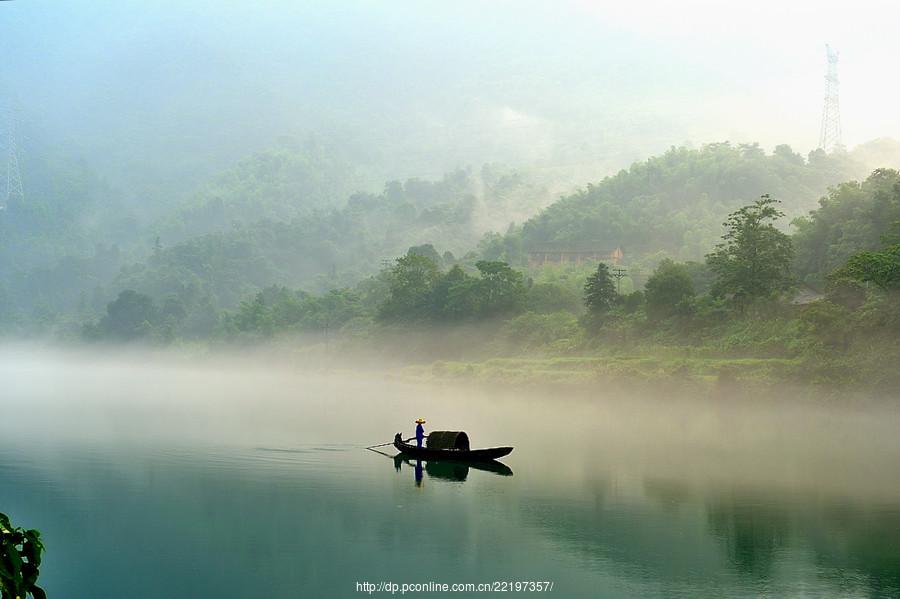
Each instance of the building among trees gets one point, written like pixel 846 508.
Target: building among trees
pixel 565 254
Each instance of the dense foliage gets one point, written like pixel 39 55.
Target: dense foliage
pixel 20 561
pixel 669 291
pixel 754 258
pixel 283 217
pixel 675 203
pixel 280 310
pixel 599 291
pixel 853 217
pixel 276 219
pixel 278 185
pixel 269 251
pixel 419 292
pixel 881 268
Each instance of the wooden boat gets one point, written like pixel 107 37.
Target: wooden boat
pixel 458 453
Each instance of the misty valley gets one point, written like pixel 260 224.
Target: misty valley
pixel 304 299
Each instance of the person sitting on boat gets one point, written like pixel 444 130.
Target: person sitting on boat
pixel 420 431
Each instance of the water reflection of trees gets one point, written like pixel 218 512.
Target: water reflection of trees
pixel 853 544
pixel 705 538
pixel 862 541
pixel 751 531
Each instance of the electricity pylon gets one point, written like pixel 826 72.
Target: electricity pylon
pixel 830 135
pixel 618 274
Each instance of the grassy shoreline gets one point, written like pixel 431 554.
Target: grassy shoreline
pixel 701 374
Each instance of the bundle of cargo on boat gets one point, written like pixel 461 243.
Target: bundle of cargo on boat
pixel 448 440
pixel 449 445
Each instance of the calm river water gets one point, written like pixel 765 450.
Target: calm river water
pixel 229 481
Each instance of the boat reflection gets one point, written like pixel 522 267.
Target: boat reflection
pixel 449 469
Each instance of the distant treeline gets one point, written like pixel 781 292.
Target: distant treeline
pixel 739 299
pixel 249 241
pixel 281 217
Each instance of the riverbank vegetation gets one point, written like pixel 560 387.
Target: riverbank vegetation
pixel 741 314
pixel 772 294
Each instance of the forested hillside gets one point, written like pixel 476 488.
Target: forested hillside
pixel 281 184
pixel 736 315
pixel 279 220
pixel 853 217
pixel 68 211
pixel 675 203
pixel 283 217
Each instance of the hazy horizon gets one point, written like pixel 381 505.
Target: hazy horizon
pixel 165 96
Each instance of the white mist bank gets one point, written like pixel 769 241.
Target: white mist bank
pixel 121 400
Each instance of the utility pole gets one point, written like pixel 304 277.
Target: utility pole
pixel 12 178
pixel 830 134
pixel 618 274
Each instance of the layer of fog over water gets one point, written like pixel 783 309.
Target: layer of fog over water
pixel 226 479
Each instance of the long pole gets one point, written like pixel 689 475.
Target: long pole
pixel 391 442
pixel 382 445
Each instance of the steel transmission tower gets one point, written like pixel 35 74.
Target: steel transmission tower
pixel 618 274
pixel 830 136
pixel 12 181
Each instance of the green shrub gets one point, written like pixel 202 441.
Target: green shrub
pixel 535 331
pixel 20 561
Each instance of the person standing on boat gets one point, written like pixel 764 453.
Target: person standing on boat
pixel 420 431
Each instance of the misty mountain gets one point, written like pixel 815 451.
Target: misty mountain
pixel 286 217
pixel 675 203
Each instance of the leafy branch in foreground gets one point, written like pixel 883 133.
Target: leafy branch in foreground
pixel 20 560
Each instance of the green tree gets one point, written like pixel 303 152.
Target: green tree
pixel 854 217
pixel 418 291
pixel 427 250
pixel 881 267
pixel 754 257
pixel 331 310
pixel 130 316
pixel 202 319
pixel 702 278
pixel 827 322
pixel 600 291
pixel 454 296
pixel 669 290
pixel 255 316
pixel 675 202
pixel 411 280
pixel 173 309
pixel 20 561
pixel 547 298
pixel 501 289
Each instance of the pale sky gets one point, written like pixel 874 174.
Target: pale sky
pixel 772 53
pixel 423 86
